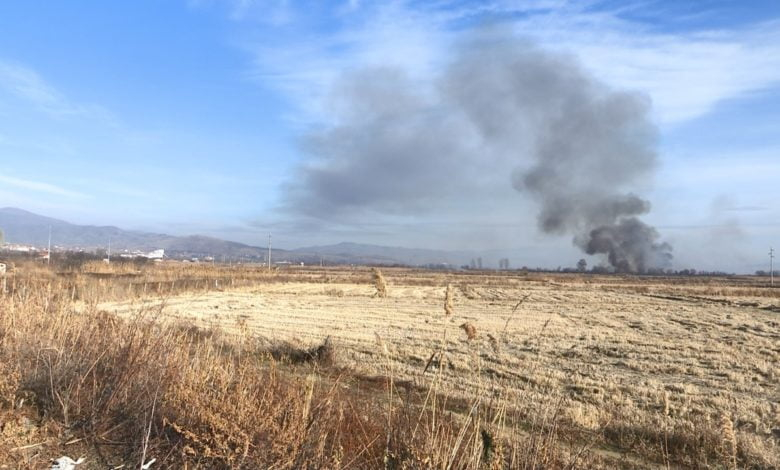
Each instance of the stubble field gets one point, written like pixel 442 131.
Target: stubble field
pixel 636 361
pixel 201 366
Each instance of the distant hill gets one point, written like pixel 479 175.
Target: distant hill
pixel 23 227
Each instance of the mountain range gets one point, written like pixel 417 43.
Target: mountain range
pixel 23 227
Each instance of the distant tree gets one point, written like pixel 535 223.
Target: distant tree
pixel 582 265
pixel 479 262
pixel 473 264
pixel 687 272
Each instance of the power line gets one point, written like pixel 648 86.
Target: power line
pixel 771 266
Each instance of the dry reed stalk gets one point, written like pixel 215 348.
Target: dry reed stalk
pixel 728 441
pixel 494 344
pixel 512 314
pixel 666 402
pixel 379 283
pixel 310 380
pixel 449 307
pixel 381 343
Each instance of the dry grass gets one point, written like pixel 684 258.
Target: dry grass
pixel 284 370
pixel 449 305
pixel 729 442
pixel 123 390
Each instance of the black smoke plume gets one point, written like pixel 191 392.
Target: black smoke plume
pixel 504 108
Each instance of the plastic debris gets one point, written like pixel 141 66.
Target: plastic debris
pixel 66 463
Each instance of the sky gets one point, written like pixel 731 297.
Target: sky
pixel 337 121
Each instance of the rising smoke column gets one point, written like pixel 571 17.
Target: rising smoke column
pixel 576 146
pixel 580 145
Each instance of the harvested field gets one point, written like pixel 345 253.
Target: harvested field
pixel 628 358
pixel 510 370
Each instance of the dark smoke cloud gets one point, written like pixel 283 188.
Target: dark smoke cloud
pixel 504 108
pixel 630 245
pixel 393 150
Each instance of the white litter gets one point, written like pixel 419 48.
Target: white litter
pixel 148 464
pixel 66 463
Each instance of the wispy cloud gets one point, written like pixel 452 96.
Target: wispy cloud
pixel 40 186
pixel 28 85
pixel 686 72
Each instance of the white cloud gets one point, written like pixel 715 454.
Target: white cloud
pixel 685 73
pixel 39 186
pixel 304 64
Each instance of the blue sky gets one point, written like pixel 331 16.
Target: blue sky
pixel 191 116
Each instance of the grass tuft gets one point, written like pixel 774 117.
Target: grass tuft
pixel 379 283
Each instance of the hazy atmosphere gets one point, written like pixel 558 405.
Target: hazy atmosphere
pixel 634 134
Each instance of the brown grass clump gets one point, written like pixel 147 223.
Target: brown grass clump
pixel 333 292
pixel 322 355
pixel 470 329
pixel 449 307
pixel 379 283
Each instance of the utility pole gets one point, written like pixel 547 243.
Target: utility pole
pixel 269 251
pixel 771 266
pixel 48 249
pixel 108 253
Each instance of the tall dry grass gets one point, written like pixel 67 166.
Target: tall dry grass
pixel 122 391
